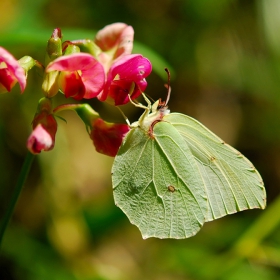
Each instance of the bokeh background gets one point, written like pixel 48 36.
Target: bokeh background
pixel 224 57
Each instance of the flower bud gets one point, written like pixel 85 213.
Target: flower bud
pixel 54 50
pixel 70 48
pixel 40 140
pixel 50 84
pixel 87 46
pixel 54 47
pixel 107 137
pixel 44 125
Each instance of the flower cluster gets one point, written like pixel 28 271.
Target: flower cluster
pixel 107 70
pixel 103 68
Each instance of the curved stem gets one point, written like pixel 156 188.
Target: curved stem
pixel 21 180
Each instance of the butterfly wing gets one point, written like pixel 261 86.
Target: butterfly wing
pixel 232 182
pixel 158 185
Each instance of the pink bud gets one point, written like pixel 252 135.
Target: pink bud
pixel 39 140
pixel 10 72
pixel 107 137
pixel 44 125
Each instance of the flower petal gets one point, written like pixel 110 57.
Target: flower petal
pixel 94 80
pixel 119 91
pixel 115 40
pixel 116 34
pixel 92 72
pixel 16 71
pixel 134 65
pixel 7 80
pixel 72 62
pixel 72 85
pixel 126 76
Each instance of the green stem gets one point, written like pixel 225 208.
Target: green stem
pixel 21 180
pixel 247 244
pixel 259 230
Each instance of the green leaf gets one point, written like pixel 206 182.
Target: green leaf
pixel 172 174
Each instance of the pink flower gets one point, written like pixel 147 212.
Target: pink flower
pixel 10 72
pixel 82 76
pixel 42 137
pixel 114 41
pixel 126 77
pixel 107 137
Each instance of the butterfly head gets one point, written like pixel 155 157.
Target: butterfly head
pixel 154 113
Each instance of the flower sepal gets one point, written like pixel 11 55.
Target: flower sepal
pixel 54 47
pixel 107 137
pixel 27 63
pixel 84 111
pixel 87 46
pixel 50 84
pixel 69 48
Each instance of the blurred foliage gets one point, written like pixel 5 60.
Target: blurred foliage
pixel 226 55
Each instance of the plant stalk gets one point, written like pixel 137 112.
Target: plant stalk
pixel 20 183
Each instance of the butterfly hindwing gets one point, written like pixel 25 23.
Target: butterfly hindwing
pixel 231 181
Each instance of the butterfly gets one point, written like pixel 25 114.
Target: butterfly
pixel 172 174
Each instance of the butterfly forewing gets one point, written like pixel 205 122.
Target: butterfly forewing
pixel 231 181
pixel 158 184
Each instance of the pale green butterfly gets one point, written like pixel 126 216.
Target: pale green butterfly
pixel 172 174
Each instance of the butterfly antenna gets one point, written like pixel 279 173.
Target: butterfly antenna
pixel 167 86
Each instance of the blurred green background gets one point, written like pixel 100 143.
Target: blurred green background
pixel 224 57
